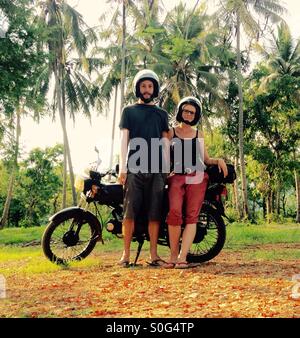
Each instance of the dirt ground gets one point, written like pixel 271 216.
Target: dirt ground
pixel 228 286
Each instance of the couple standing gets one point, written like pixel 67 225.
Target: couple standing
pixel 144 176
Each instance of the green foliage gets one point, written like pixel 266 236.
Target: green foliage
pixel 20 59
pixel 39 184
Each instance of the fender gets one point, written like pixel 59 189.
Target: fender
pixel 214 205
pixel 85 214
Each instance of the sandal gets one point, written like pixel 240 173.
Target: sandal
pixel 183 265
pixel 170 265
pixel 157 263
pixel 123 264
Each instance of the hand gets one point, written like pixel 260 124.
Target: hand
pixel 171 174
pixel 222 167
pixel 122 178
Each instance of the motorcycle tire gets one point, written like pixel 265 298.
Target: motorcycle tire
pixel 67 252
pixel 212 225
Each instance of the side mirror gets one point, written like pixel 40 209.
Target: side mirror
pixel 117 169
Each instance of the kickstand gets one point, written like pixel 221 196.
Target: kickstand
pixel 139 249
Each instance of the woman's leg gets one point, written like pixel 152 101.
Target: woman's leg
pixel 194 199
pixel 187 241
pixel 174 218
pixel 174 237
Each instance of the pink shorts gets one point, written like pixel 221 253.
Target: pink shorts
pixel 180 192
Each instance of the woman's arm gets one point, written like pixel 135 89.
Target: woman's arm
pixel 213 161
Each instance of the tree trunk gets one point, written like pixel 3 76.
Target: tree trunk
pixel 65 164
pixel 269 206
pixel 113 129
pixel 297 185
pixel 253 207
pixel 65 135
pixel 189 20
pixel 277 201
pixel 283 204
pixel 236 188
pixel 264 207
pixel 64 196
pixel 5 213
pixel 123 70
pixel 241 124
pixel 272 201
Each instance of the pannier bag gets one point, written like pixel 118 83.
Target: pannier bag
pixel 218 177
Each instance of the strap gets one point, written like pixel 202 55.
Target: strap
pixel 197 134
pixel 174 132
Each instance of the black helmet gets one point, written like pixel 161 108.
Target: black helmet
pixel 145 74
pixel 194 102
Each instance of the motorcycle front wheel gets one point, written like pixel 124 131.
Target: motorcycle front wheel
pixel 210 236
pixel 69 237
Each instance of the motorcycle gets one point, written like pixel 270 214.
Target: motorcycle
pixel 72 233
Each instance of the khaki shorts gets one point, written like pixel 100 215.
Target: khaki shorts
pixel 144 192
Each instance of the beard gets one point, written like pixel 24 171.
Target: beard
pixel 146 100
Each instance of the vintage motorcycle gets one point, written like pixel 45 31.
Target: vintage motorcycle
pixel 73 232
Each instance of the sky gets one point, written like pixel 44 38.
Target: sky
pixel 85 135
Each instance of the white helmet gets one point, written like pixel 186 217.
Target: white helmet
pixel 194 102
pixel 145 74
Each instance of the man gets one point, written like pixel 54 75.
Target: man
pixel 141 124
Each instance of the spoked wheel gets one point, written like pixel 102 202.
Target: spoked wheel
pixel 70 237
pixel 210 237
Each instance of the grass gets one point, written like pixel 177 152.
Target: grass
pixel 15 259
pixel 272 254
pixel 30 260
pixel 21 235
pixel 239 235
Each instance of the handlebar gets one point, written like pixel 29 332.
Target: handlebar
pixel 96 175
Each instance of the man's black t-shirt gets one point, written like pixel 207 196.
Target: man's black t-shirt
pixel 144 122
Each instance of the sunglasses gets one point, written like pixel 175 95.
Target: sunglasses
pixel 188 112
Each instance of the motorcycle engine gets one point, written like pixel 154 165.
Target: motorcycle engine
pixel 114 226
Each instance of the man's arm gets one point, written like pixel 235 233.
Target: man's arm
pixel 166 150
pixel 123 155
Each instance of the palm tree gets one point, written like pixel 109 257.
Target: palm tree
pixel 15 143
pixel 21 64
pixel 188 60
pixel 114 56
pixel 283 60
pixel 239 14
pixel 68 35
pixel 177 48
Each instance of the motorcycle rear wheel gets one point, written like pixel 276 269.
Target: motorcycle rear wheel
pixel 211 227
pixel 62 245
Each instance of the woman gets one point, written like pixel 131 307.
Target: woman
pixel 187 182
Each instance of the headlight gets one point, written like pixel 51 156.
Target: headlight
pixel 79 183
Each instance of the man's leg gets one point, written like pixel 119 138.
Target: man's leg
pixel 154 197
pixel 132 203
pixel 127 230
pixel 153 229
